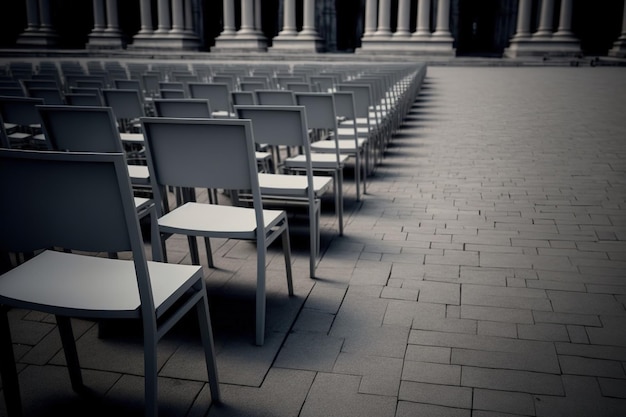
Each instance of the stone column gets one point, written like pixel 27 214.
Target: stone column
pixel 38 31
pixel 308 26
pixel 178 17
pixel 112 17
pixel 247 17
pixel 190 26
pixel 229 18
pixel 258 22
pixel 619 47
pixel 443 21
pixel 371 7
pixel 289 19
pixel 164 18
pixel 423 19
pixel 384 19
pixel 404 14
pixel 545 20
pixel 523 19
pixel 98 16
pixel 565 20
pixel 145 7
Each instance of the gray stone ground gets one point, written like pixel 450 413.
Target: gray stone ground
pixel 483 275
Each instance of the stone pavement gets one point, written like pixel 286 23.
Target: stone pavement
pixel 484 274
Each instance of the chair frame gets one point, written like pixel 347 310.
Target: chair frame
pixel 155 293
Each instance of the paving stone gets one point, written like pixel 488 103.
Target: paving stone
pixel 309 351
pixel 381 375
pixel 409 409
pixel 444 395
pixel 503 402
pixel 512 380
pixel 433 373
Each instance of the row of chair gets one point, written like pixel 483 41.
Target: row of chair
pixel 85 174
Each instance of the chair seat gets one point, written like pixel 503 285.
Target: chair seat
pixel 318 161
pixel 139 174
pixel 292 185
pixel 69 274
pixel 214 220
pixel 345 145
pixel 132 137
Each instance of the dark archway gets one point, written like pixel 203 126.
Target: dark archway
pixel 485 27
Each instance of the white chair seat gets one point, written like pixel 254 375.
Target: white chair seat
pixel 136 138
pixel 318 161
pixel 344 145
pixel 292 185
pixel 68 274
pixel 139 174
pixel 220 221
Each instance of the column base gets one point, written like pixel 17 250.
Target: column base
pixel 619 49
pixel 177 41
pixel 38 38
pixel 410 46
pixel 297 44
pixel 106 40
pixel 240 43
pixel 538 47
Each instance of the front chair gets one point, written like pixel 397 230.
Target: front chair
pixel 214 153
pixel 89 209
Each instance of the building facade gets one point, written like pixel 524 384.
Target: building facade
pixel 509 28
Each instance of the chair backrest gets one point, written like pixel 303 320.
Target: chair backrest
pixel 89 202
pixel 344 104
pixel 252 85
pixel 83 99
pixel 185 107
pixel 243 97
pixel 126 104
pixel 275 97
pixel 126 84
pixel 89 207
pixel 207 153
pixel 20 110
pixel 362 97
pixel 320 110
pixel 50 95
pixel 298 87
pixel 80 128
pixel 171 93
pixel 218 94
pixel 12 91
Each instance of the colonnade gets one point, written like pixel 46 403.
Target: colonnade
pixel 179 27
pixel 544 41
pixel 378 36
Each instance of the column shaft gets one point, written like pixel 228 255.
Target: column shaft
pixel 178 17
pixel 247 17
pixel 45 16
pixel 384 18
pixel 98 16
pixel 289 18
pixel 112 16
pixel 443 19
pixel 32 14
pixel 404 14
pixel 565 19
pixel 229 17
pixel 145 7
pixel 164 18
pixel 523 19
pixel 423 19
pixel 371 7
pixel 308 26
pixel 545 19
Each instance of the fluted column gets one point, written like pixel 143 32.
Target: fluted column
pixel 545 19
pixel 178 17
pixel 523 19
pixel 443 20
pixel 289 19
pixel 371 7
pixel 404 14
pixel 384 19
pixel 565 20
pixel 190 25
pixel 619 47
pixel 258 24
pixel 423 19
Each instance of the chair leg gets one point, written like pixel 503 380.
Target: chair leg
pixel 8 370
pixel 260 293
pixel 71 355
pixel 339 201
pixel 151 372
pixel 193 250
pixel 206 334
pixel 287 253
pixel 209 252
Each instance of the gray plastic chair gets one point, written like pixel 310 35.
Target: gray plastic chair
pixel 214 153
pixel 88 220
pixel 286 126
pixel 218 95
